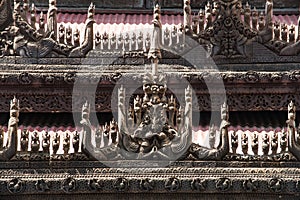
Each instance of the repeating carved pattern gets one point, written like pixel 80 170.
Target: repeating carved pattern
pixel 209 180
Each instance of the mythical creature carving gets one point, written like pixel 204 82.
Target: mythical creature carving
pixel 28 42
pixel 23 39
pixel 88 42
pixel 223 148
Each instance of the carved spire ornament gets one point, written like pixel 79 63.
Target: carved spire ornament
pixel 156 39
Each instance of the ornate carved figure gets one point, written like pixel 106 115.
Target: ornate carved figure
pixel 228 24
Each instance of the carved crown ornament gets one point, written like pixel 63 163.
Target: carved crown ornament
pixel 226 29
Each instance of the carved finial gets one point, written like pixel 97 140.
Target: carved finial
pixel 167 37
pixel 247 14
pixel 291 111
pixel 42 23
pixel 69 35
pixel 195 24
pixel 187 16
pixel 261 22
pixel 201 20
pixel 61 34
pixel 33 13
pixel 97 38
pixel 284 32
pixel 216 8
pixel 277 30
pixel 269 13
pixel 292 34
pixel 208 15
pixel 51 19
pixel 14 112
pixel 25 8
pixel 224 111
pixel 14 104
pixel 254 18
pixel 154 52
pixel 76 36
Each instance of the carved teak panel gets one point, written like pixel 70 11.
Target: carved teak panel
pixel 149 82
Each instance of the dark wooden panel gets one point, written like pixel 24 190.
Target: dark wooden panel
pixel 99 3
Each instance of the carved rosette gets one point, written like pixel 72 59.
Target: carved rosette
pixel 16 186
pixel 276 185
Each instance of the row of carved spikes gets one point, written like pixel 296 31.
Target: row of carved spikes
pixel 129 41
pixel 62 142
pixel 261 144
pixel 285 33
